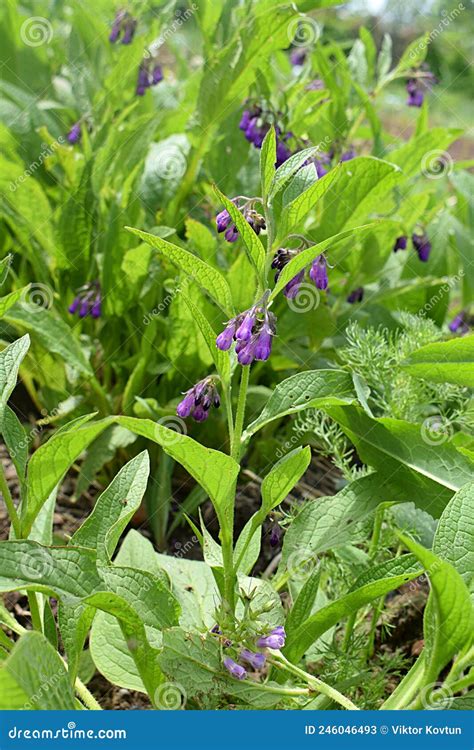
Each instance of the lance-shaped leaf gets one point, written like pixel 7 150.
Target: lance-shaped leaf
pixel 208 277
pixel 114 508
pixel 302 391
pixel 305 257
pixel 444 362
pixel 426 473
pixel 10 361
pixel 10 299
pixel 283 476
pixel 267 162
pixel 286 171
pixel 221 359
pixel 296 211
pixel 454 537
pixel 252 242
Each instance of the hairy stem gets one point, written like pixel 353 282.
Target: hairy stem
pixel 12 512
pixel 240 414
pixel 86 696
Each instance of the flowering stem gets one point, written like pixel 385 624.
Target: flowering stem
pixel 321 687
pixel 86 696
pixel 239 415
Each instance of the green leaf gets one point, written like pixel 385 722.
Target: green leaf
pixel 283 476
pixel 38 672
pixel 252 242
pixel 449 615
pixel 51 461
pixel 52 333
pixel 247 547
pixel 305 257
pixel 385 57
pixel 296 211
pixel 16 441
pixel 444 362
pixel 413 55
pixel 10 361
pixel 314 627
pixel 215 471
pixel 454 537
pixel 114 508
pixel 267 162
pixel 357 193
pixel 208 278
pixel 303 604
pixel 414 156
pixel 303 391
pixel 330 522
pixel 285 171
pixel 10 299
pixel 427 474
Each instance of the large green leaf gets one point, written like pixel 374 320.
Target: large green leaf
pixel 10 361
pixel 215 471
pixel 330 522
pixel 444 362
pixel 296 211
pixel 34 677
pixel 361 184
pixel 114 508
pixel 427 474
pixel 302 391
pixel 208 277
pixel 221 359
pixel 449 615
pixel 283 476
pixel 51 332
pixel 267 162
pixel 51 461
pixel 419 153
pixel 454 537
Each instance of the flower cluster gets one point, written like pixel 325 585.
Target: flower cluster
pixel 87 301
pixel 255 124
pixel 416 87
pixel 75 134
pixel 150 73
pixel 422 246
pixel 198 400
pixel 123 27
pixel 225 224
pixel 253 332
pixel 274 640
pixel 318 271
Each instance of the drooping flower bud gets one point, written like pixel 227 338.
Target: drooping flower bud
pixel 422 246
pixel 459 323
pixel 292 288
pixel 298 56
pixel 75 134
pixel 236 670
pixel 274 640
pixel 348 155
pixel 400 244
pixel 223 220
pixel 256 660
pixel 198 401
pixel 356 296
pixel 318 272
pixel 275 535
